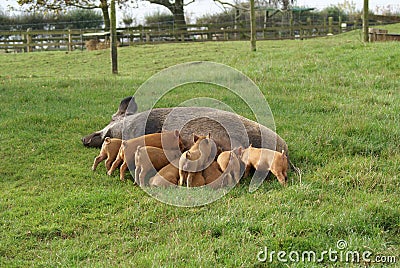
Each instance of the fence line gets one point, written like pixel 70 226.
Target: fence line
pixel 37 40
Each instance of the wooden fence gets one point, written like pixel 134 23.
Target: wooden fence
pixel 40 40
pixel 382 35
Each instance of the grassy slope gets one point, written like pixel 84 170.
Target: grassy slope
pixel 336 102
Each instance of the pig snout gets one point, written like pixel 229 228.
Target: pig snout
pixel 93 140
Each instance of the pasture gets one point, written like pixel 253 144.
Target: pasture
pixel 336 102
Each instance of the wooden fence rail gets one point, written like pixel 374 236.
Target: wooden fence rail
pixel 37 40
pixel 382 35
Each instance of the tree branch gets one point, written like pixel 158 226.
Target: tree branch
pixel 192 1
pixel 83 7
pixel 165 3
pixel 232 5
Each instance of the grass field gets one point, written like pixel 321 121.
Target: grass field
pixel 336 101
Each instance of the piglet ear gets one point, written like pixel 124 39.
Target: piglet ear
pixel 132 107
pixel 195 137
pixel 124 143
pixel 209 135
pixel 107 140
pixel 239 151
pixel 176 133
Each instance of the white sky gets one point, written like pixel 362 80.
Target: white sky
pixel 202 7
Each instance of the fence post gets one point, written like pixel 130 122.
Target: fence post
pixel 237 15
pixel 309 23
pixel 147 37
pixel 253 26
pixel 340 24
pixel 23 37
pixel 291 26
pixel 6 45
pixel 209 34
pixel 28 40
pixel 372 34
pixel 265 32
pixel 140 29
pixel 365 20
pixel 69 40
pixel 330 25
pixel 80 33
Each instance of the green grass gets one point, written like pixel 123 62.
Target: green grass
pixel 335 101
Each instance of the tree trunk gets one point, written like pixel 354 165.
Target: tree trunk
pixel 365 21
pixel 113 35
pixel 177 10
pixel 106 15
pixel 179 16
pixel 253 33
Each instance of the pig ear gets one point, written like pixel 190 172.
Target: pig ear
pixel 107 140
pixel 209 135
pixel 132 107
pixel 123 106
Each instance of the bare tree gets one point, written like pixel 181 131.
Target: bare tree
pixel 279 4
pixel 60 5
pixel 238 6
